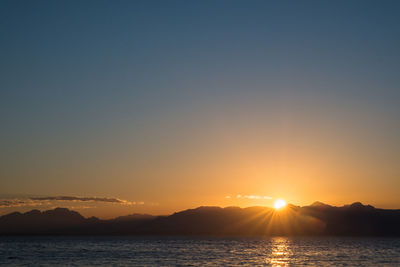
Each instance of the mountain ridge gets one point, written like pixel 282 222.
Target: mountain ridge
pixel 316 219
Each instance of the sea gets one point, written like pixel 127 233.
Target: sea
pixel 185 251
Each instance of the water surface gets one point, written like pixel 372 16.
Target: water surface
pixel 152 251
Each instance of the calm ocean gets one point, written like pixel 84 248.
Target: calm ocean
pixel 128 251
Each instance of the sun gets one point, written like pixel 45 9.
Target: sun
pixel 279 203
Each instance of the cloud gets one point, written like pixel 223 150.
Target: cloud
pixel 47 200
pixel 252 197
pixel 14 203
pixel 71 198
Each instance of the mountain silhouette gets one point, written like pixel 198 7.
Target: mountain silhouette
pixel 59 220
pixel 317 219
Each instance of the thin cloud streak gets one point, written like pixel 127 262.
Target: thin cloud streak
pixel 15 203
pixel 253 197
pixel 72 198
pixel 38 201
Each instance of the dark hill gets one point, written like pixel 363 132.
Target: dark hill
pixel 59 220
pixel 316 219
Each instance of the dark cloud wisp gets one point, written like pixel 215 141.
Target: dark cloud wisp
pixel 38 201
pixel 71 198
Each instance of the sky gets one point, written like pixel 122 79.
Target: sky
pixel 120 107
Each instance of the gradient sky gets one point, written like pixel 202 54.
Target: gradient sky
pixel 169 105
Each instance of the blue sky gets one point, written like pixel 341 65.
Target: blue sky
pixel 100 92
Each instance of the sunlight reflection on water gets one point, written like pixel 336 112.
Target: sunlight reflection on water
pixel 280 252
